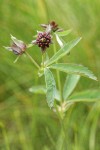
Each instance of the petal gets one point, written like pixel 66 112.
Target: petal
pixel 16 49
pixel 8 48
pixel 48 29
pixel 19 43
pixel 43 25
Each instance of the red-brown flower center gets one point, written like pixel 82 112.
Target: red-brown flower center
pixel 43 40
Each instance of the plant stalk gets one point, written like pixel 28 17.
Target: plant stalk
pixel 32 60
pixel 43 56
pixel 60 113
pixel 58 79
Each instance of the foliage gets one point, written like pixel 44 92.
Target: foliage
pixel 26 121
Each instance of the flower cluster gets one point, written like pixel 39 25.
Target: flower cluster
pixel 43 39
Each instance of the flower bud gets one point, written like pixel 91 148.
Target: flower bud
pixel 52 26
pixel 18 47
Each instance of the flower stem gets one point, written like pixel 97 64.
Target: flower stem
pixel 16 59
pixel 32 60
pixel 43 59
pixel 59 113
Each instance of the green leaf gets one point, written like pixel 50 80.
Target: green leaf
pixel 38 89
pixel 63 51
pixel 57 95
pixel 70 84
pixel 41 89
pixel 85 96
pixel 50 86
pixel 64 33
pixel 87 100
pixel 74 69
pixel 88 94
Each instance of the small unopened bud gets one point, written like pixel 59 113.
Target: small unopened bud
pixel 18 47
pixel 52 26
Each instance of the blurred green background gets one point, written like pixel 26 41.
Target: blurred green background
pixel 26 122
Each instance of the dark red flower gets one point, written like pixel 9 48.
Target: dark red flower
pixel 43 40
